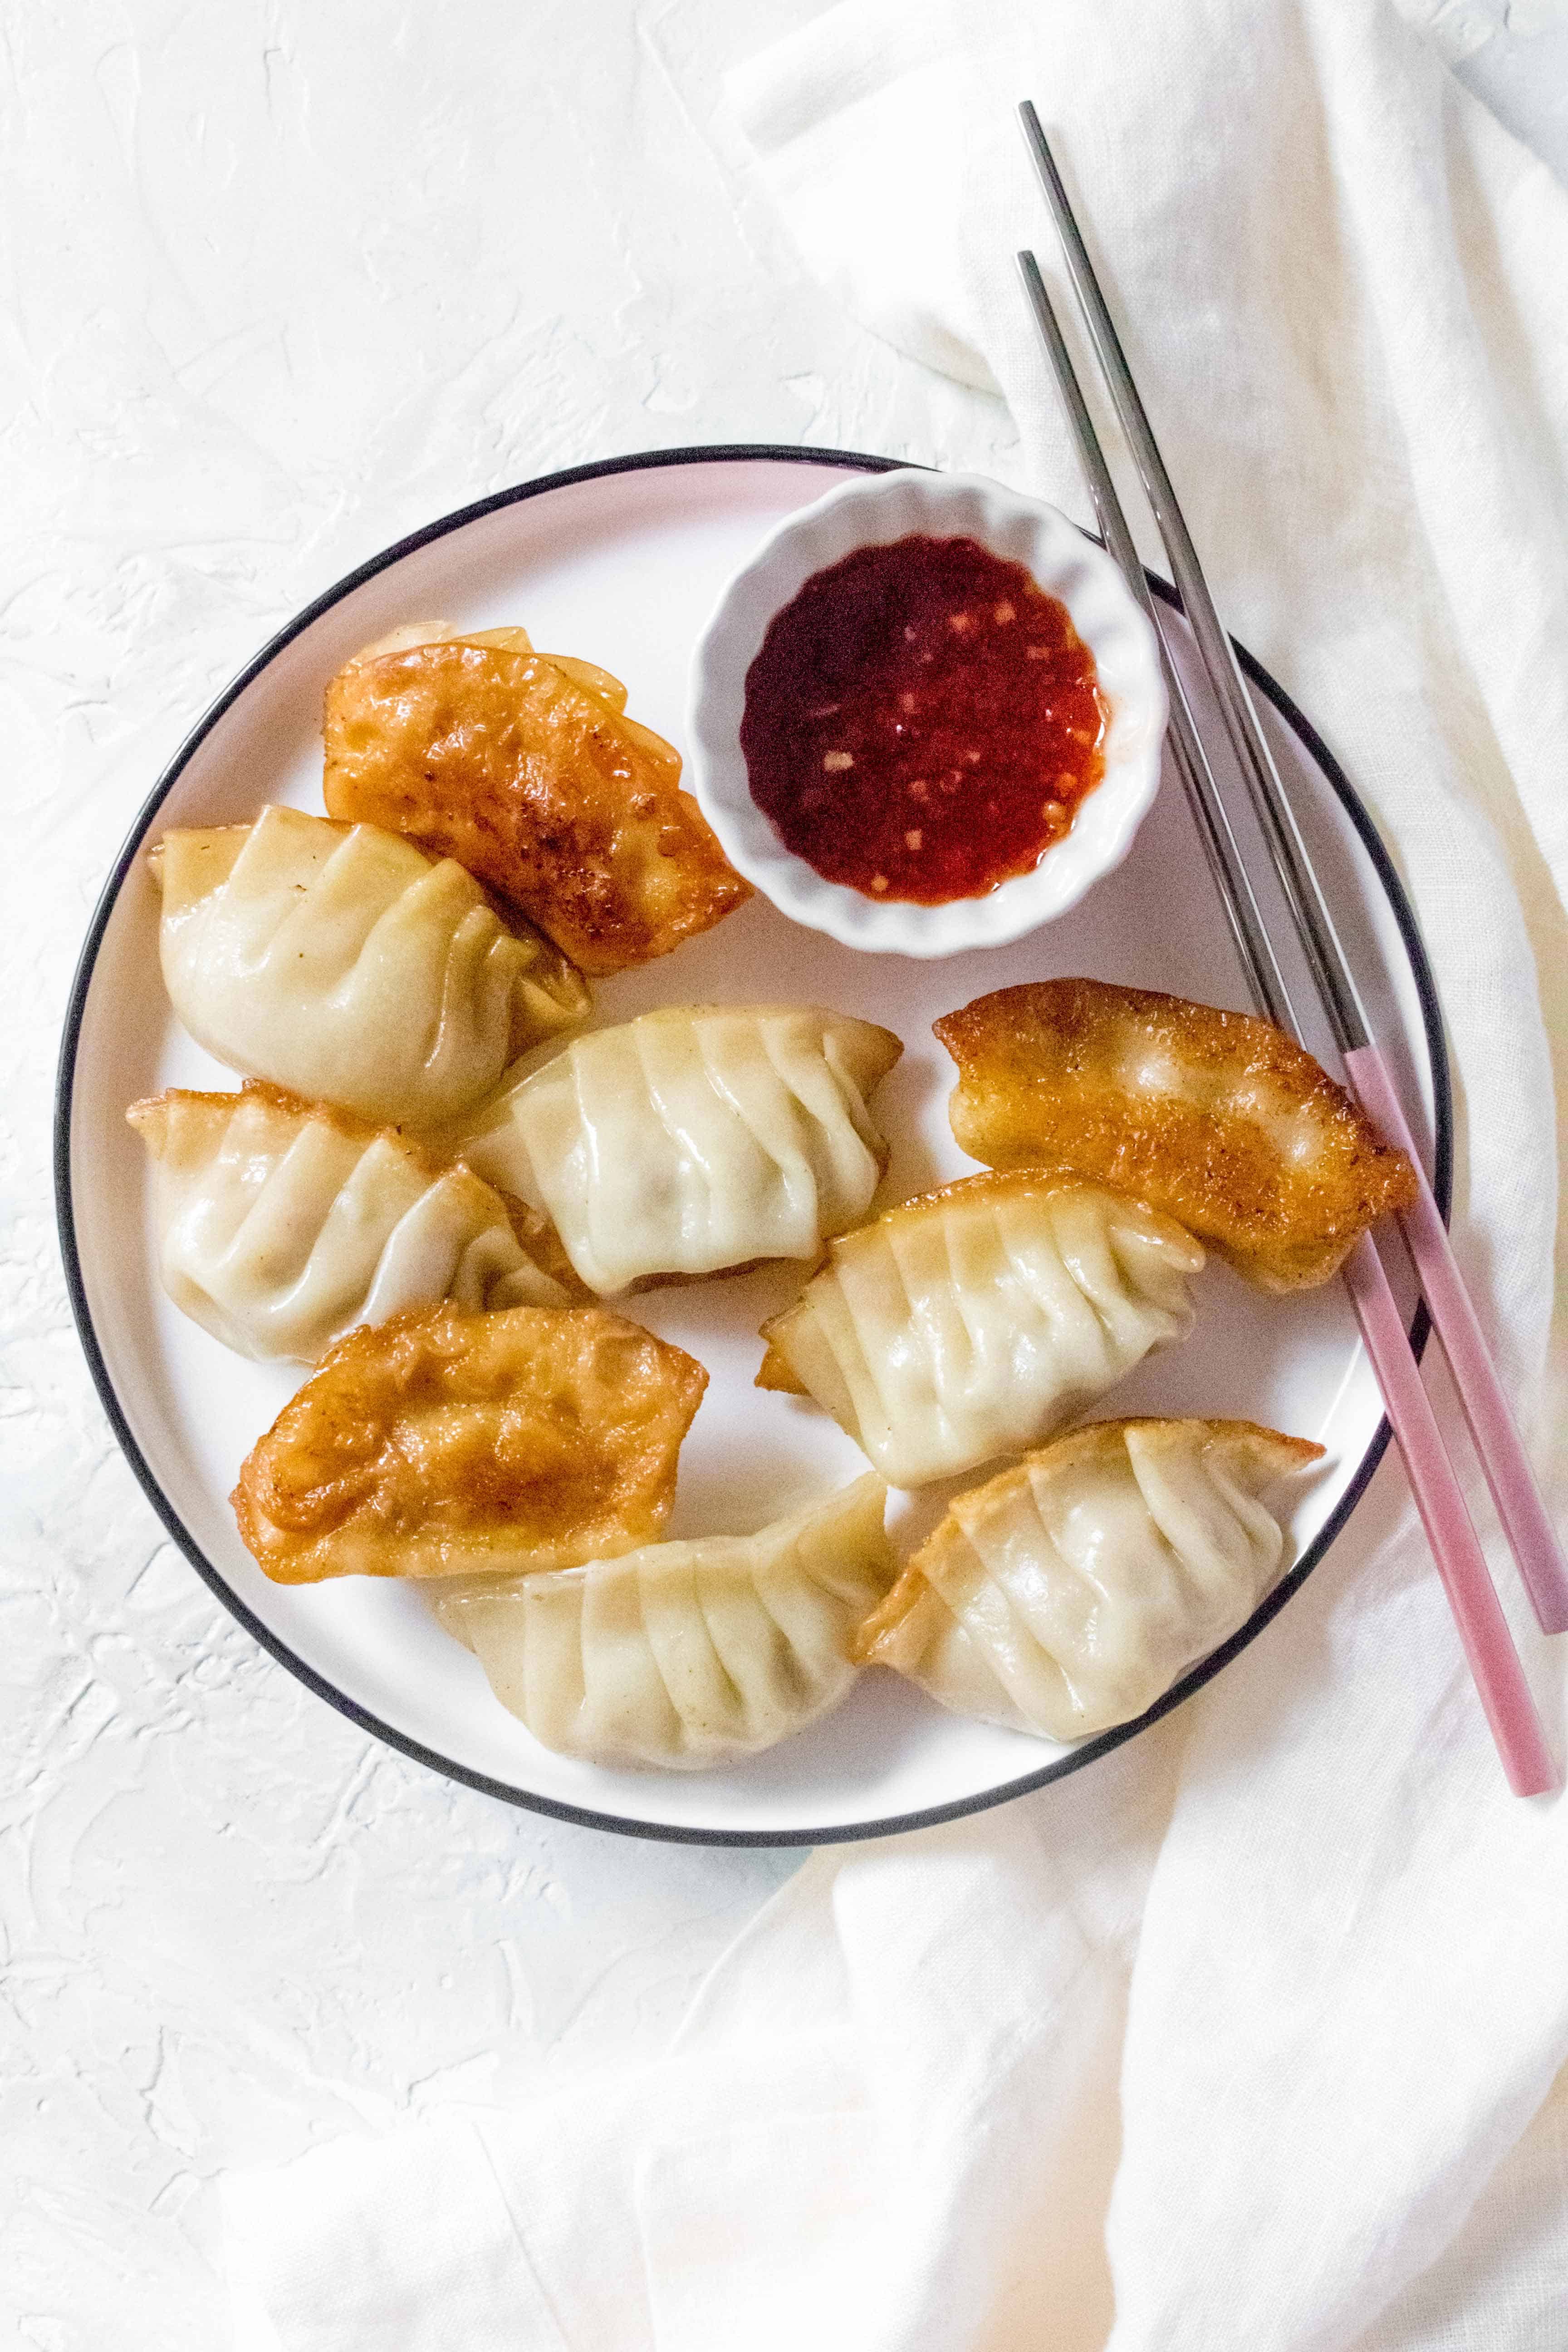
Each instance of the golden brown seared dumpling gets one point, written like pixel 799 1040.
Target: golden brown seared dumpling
pixel 441 1443
pixel 1219 1119
pixel 512 640
pixel 525 767
pixel 696 1137
pixel 974 1320
pixel 282 1224
pixel 1068 1593
pixel 684 1654
pixel 340 962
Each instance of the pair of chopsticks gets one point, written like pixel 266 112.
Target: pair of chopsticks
pixel 1483 1630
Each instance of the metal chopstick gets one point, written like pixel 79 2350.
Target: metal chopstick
pixel 1209 812
pixel 1483 1630
pixel 1498 1447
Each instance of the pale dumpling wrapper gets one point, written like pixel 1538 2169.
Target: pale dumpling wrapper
pixel 972 1321
pixel 685 1654
pixel 695 1139
pixel 1068 1593
pixel 344 964
pixel 282 1224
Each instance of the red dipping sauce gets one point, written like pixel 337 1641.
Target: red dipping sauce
pixel 923 721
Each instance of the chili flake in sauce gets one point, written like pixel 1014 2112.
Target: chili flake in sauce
pixel 923 721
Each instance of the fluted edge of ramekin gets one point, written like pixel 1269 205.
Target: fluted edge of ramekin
pixel 873 512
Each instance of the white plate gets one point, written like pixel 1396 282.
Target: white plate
pixel 622 562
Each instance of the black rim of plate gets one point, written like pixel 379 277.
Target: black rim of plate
pixel 828 1833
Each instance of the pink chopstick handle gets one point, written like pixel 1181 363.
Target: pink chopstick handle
pixel 1530 1532
pixel 1483 1629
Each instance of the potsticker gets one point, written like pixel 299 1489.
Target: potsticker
pixel 972 1321
pixel 1221 1120
pixel 343 964
pixel 282 1224
pixel 441 1443
pixel 525 768
pixel 1068 1593
pixel 683 1655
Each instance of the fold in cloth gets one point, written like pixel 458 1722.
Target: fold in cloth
pixel 854 2161
pixel 1219 2044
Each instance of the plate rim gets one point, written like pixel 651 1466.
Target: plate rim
pixel 587 1816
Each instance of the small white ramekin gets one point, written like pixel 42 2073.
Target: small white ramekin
pixel 872 511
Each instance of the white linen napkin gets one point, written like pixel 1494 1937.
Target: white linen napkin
pixel 1234 2040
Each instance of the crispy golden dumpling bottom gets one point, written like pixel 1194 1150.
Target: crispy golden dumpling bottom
pixel 1219 1119
pixel 442 1443
pixel 526 770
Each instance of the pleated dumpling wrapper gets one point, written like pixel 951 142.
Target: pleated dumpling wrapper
pixel 1068 1593
pixel 282 1224
pixel 525 766
pixel 441 1443
pixel 685 1654
pixel 974 1320
pixel 343 963
pixel 1220 1119
pixel 696 1138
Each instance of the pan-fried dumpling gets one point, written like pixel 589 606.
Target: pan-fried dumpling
pixel 976 1319
pixel 513 640
pixel 1219 1119
pixel 282 1224
pixel 344 964
pixel 1068 1593
pixel 526 767
pixel 696 1137
pixel 440 1444
pixel 684 1654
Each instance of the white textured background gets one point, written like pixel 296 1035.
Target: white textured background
pixel 283 279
